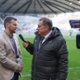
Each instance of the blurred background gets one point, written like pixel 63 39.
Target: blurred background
pixel 28 12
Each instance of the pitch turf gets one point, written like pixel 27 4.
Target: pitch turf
pixel 73 57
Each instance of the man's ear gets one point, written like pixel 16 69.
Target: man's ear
pixel 7 24
pixel 47 27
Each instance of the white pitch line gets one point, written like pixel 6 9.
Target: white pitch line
pixel 74 68
pixel 25 75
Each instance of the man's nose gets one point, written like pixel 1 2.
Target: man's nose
pixel 16 27
pixel 37 28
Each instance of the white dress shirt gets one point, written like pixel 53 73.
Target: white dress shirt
pixel 45 37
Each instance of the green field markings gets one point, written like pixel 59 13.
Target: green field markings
pixel 71 69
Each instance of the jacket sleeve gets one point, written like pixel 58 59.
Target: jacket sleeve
pixel 30 48
pixel 62 57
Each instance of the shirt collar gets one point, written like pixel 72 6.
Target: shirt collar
pixel 10 35
pixel 48 34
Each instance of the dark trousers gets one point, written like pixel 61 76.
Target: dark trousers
pixel 16 76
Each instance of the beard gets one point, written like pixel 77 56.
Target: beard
pixel 12 31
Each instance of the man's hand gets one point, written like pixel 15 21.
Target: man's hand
pixel 25 44
pixel 19 68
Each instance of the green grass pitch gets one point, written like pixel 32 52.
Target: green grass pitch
pixel 73 57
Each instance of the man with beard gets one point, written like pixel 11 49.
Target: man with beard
pixel 10 55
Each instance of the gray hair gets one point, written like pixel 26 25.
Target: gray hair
pixel 46 21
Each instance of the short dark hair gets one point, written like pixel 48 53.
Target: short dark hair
pixel 8 20
pixel 46 21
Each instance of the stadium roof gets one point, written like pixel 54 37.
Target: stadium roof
pixel 39 6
